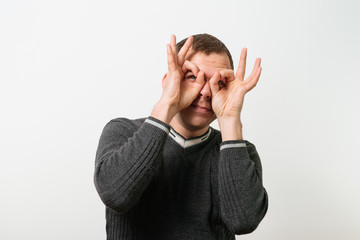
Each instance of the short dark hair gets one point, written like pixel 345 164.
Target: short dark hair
pixel 207 44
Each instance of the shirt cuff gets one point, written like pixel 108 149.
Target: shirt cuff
pixel 157 123
pixel 232 144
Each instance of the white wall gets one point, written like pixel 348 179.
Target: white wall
pixel 67 67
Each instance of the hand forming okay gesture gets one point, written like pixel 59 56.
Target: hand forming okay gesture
pixel 179 94
pixel 228 98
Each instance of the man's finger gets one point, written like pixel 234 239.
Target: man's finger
pixel 251 82
pixel 190 66
pixel 185 48
pixel 214 83
pixel 256 66
pixel 198 85
pixel 173 46
pixel 226 75
pixel 170 59
pixel 240 72
pixel 191 90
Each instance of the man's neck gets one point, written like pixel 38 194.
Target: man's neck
pixel 187 131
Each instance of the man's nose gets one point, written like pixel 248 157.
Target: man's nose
pixel 205 91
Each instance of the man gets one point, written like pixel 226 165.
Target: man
pixel 171 176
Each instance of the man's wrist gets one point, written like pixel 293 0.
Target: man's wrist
pixel 163 112
pixel 230 128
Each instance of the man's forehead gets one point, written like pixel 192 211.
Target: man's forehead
pixel 215 60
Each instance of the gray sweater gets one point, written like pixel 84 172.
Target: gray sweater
pixel 157 185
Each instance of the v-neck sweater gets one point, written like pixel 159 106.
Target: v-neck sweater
pixel 155 186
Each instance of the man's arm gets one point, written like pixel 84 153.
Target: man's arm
pixel 243 199
pixel 127 158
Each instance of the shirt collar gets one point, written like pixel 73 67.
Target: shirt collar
pixel 185 143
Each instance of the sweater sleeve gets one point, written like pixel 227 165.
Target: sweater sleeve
pixel 243 199
pixel 126 160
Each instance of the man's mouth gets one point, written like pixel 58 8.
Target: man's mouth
pixel 201 108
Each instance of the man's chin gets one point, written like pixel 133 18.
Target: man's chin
pixel 200 121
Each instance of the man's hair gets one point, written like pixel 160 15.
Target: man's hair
pixel 207 44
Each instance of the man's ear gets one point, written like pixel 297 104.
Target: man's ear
pixel 163 81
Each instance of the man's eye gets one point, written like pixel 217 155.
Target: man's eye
pixel 192 77
pixel 221 83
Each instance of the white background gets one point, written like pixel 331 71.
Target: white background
pixel 68 67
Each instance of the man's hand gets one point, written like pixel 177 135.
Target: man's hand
pixel 177 93
pixel 228 92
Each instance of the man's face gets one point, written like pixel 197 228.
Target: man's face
pixel 199 114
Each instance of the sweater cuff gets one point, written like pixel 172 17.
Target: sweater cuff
pixel 233 144
pixel 159 124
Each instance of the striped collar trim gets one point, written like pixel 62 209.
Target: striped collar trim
pixel 185 143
